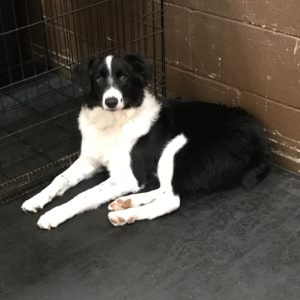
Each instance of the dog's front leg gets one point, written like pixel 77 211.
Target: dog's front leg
pixel 81 169
pixel 88 200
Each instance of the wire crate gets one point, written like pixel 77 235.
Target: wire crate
pixel 40 41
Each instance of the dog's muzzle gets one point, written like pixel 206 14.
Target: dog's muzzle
pixel 112 99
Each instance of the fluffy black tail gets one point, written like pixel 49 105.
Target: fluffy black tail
pixel 257 173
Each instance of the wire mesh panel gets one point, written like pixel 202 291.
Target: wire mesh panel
pixel 40 41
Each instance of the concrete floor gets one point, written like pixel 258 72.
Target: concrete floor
pixel 233 245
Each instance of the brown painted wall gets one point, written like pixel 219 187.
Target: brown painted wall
pixel 244 53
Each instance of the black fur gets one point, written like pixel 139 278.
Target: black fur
pixel 92 76
pixel 225 147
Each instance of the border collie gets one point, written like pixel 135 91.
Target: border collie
pixel 179 147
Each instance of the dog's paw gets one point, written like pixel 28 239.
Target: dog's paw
pixel 118 218
pixel 34 204
pixel 52 219
pixel 120 204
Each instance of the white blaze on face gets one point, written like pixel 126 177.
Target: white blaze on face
pixel 108 61
pixel 111 91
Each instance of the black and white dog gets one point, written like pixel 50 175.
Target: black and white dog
pixel 178 146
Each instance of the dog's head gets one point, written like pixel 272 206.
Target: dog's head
pixel 113 82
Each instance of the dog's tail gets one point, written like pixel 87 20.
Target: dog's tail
pixel 257 172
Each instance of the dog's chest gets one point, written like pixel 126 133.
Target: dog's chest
pixel 107 138
pixel 100 143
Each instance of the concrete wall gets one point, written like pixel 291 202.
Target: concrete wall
pixel 244 53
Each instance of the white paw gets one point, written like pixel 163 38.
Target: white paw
pixel 34 204
pixel 120 218
pixel 52 218
pixel 120 204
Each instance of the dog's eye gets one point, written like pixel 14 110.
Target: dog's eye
pixel 100 79
pixel 123 78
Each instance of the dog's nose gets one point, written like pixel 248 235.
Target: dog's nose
pixel 111 102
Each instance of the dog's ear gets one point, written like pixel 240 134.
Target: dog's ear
pixel 141 66
pixel 82 73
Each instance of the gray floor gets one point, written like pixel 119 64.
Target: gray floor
pixel 234 245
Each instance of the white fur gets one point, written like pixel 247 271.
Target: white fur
pixel 107 139
pixel 108 61
pixel 115 93
pixel 135 200
pixel 81 169
pixel 166 161
pixel 163 205
pixel 91 199
pixel 157 202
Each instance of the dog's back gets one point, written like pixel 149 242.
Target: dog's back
pixel 225 147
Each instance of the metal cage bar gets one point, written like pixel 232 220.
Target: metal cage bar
pixel 40 41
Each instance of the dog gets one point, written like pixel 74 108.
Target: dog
pixel 178 146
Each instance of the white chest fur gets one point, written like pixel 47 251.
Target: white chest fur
pixel 108 137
